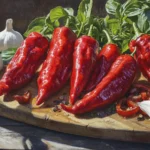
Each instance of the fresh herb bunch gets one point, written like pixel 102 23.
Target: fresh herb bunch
pixel 120 18
pixel 118 21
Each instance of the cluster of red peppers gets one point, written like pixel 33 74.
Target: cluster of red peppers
pixel 104 76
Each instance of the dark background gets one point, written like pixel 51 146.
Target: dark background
pixel 24 11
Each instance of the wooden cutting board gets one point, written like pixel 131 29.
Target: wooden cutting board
pixel 98 124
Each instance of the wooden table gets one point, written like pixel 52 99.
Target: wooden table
pixel 16 135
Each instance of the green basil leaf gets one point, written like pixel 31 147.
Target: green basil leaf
pixel 112 6
pixel 125 45
pixel 8 54
pixel 57 13
pixel 34 29
pixel 36 25
pixel 84 10
pixel 133 11
pixel 113 25
pixel 143 23
pixel 69 10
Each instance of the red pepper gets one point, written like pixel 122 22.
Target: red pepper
pixel 57 67
pixel 106 57
pixel 131 111
pixel 23 99
pixel 112 87
pixel 25 63
pixel 142 54
pixel 132 100
pixel 84 60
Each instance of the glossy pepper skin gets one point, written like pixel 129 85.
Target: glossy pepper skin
pixel 106 57
pixel 57 67
pixel 112 87
pixel 142 54
pixel 25 63
pixel 84 60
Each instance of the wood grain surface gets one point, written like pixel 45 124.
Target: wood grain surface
pixel 110 126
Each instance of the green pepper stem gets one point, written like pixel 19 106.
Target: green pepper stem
pixel 67 22
pixel 136 30
pixel 108 37
pixel 80 30
pixel 132 54
pixel 90 30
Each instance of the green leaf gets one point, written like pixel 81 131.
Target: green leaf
pixel 143 23
pixel 84 10
pixel 57 13
pixel 133 7
pixel 125 46
pixel 36 25
pixel 69 10
pixel 113 25
pixel 112 6
pixel 133 11
pixel 8 54
pixel 34 29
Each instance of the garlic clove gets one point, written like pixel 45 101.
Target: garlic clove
pixel 145 106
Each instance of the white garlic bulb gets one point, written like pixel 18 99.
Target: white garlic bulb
pixel 10 38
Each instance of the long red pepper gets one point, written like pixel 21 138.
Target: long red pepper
pixel 112 87
pixel 84 60
pixel 25 62
pixel 106 57
pixel 142 54
pixel 57 67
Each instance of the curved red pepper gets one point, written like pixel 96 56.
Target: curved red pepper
pixel 134 109
pixel 84 60
pixel 106 57
pixel 57 67
pixel 112 87
pixel 25 63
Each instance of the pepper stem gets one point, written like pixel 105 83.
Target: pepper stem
pixel 132 54
pixel 108 37
pixel 136 30
pixel 67 22
pixel 80 30
pixel 90 30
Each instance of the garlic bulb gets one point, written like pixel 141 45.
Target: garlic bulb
pixel 145 106
pixel 10 38
pixel 1 63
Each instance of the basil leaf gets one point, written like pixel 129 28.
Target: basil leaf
pixel 143 23
pixel 36 25
pixel 69 10
pixel 57 13
pixel 125 45
pixel 133 11
pixel 34 29
pixel 84 10
pixel 112 6
pixel 8 54
pixel 113 25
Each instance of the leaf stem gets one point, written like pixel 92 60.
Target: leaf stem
pixel 80 29
pixel 90 30
pixel 108 37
